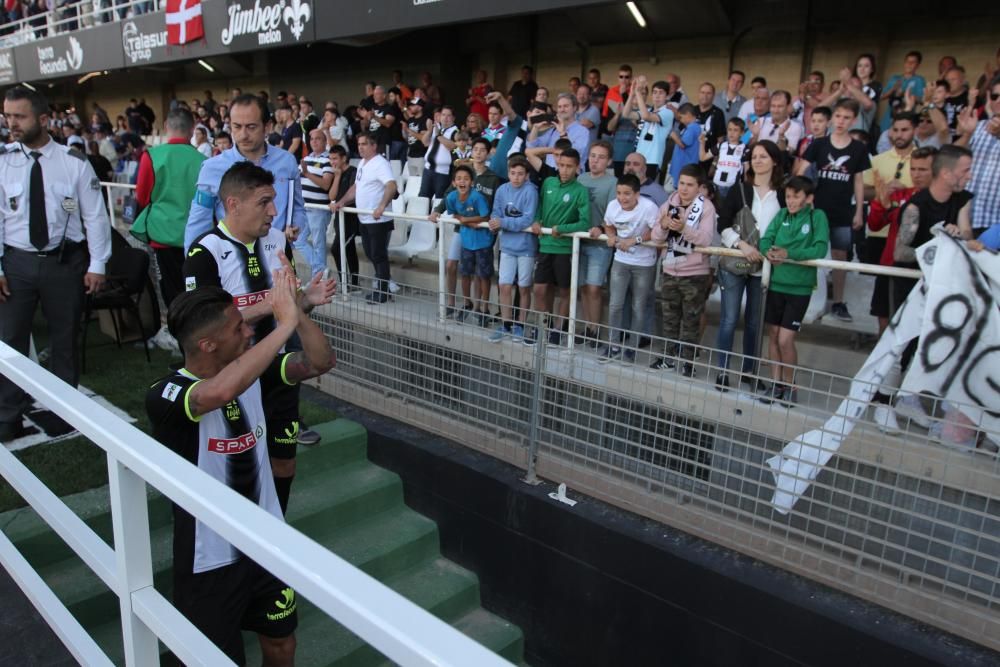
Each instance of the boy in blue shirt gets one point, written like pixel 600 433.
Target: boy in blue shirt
pixel 687 147
pixel 513 213
pixel 470 208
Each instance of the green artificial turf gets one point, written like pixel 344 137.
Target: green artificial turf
pixel 121 376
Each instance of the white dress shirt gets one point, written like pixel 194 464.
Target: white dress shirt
pixel 70 183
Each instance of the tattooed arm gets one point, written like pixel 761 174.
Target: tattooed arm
pixel 316 357
pixel 909 223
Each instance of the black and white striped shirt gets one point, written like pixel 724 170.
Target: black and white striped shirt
pixel 317 165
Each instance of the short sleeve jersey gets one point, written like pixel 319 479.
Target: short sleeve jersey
pixel 229 444
pixel 475 205
pixel 835 170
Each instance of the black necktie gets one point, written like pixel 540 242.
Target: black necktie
pixel 38 223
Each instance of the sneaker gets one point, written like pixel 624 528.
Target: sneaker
pixel 663 363
pixel 463 314
pixel 307 436
pixel 789 397
pixel 629 357
pixel 530 336
pixel 588 338
pixel 449 313
pixel 885 419
pixel 486 320
pixel 839 310
pixel 10 431
pixel 753 384
pixel 376 298
pixel 909 406
pixel 952 436
pixel 609 354
pixel 555 337
pixel 722 382
pixel 393 287
pixel 687 370
pixel 517 332
pixel 644 342
pixel 498 334
pixel 775 393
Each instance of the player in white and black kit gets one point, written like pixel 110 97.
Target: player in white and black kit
pixel 239 255
pixel 210 412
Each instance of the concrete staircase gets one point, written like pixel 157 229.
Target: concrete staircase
pixel 339 499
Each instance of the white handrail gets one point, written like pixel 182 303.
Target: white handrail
pixel 398 628
pixel 22 31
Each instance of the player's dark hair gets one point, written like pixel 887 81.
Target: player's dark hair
pixel 241 177
pixel 191 312
pixel 947 157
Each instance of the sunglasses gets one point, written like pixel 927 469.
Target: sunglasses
pixel 624 76
pixel 899 170
pixel 994 96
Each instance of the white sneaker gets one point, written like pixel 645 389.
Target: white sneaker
pixel 909 406
pixel 393 287
pixel 885 418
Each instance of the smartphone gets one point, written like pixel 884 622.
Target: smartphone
pixel 544 118
pixel 326 274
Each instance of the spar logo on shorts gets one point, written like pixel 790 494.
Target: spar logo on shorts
pixel 236 445
pixel 245 300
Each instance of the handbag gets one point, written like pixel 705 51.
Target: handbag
pixel 746 226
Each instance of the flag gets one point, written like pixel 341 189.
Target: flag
pixel 184 22
pixel 954 311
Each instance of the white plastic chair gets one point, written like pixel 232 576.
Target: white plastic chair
pixel 418 206
pixel 411 189
pixel 422 242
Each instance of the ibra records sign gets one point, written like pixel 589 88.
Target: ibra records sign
pixel 268 23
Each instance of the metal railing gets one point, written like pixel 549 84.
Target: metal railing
pixel 398 628
pixel 896 519
pixel 77 16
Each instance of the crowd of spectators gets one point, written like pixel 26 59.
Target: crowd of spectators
pixel 25 20
pixel 638 161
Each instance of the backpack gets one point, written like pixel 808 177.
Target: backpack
pixel 746 226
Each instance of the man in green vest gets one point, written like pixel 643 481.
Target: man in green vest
pixel 167 177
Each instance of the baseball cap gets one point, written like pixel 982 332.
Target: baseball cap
pixel 76 140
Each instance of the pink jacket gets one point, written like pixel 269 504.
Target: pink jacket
pixel 695 264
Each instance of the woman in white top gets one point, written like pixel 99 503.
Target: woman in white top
pixel 763 192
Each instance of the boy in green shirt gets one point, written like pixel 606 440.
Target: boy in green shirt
pixel 563 208
pixel 798 232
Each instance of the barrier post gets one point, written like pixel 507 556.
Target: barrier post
pixel 535 408
pixel 133 557
pixel 574 280
pixel 442 258
pixel 111 205
pixel 765 282
pixel 345 279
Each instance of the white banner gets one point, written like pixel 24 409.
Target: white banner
pixel 954 311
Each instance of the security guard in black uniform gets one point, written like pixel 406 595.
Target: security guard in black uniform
pixel 56 240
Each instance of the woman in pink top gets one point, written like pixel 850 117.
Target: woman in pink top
pixel 687 220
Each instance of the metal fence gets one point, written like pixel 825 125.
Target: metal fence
pixel 899 520
pixel 69 17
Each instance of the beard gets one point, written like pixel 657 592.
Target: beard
pixel 32 134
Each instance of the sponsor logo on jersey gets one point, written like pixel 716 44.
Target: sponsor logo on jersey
pixel 236 445
pixel 245 300
pixel 170 391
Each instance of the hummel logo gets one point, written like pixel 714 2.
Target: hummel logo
pixel 226 254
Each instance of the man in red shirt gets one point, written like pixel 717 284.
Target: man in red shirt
pixel 159 224
pixel 476 101
pixel 618 94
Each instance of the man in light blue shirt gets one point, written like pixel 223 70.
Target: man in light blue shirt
pixel 248 116
pixel 565 127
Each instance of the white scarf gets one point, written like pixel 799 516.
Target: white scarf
pixel 678 248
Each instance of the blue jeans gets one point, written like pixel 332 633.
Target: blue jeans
pixel 732 287
pixel 641 280
pixel 312 241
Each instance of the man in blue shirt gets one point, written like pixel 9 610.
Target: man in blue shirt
pixel 566 127
pixel 248 115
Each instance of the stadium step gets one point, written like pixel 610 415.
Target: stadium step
pixel 339 499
